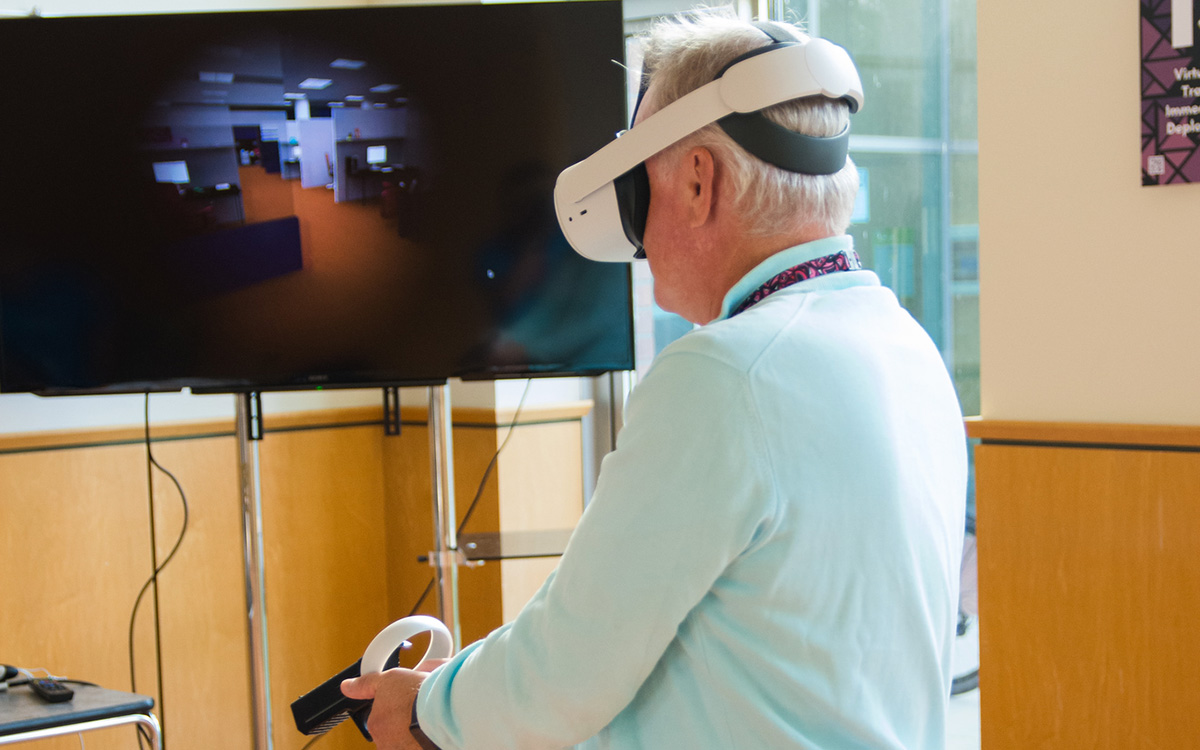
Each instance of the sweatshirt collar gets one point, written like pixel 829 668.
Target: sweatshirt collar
pixel 780 262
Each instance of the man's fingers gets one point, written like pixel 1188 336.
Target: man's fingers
pixel 361 688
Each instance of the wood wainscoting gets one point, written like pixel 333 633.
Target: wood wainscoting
pixel 1089 585
pixel 347 510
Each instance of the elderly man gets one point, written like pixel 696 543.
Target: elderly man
pixel 770 557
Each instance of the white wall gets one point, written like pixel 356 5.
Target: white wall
pixel 370 123
pixel 316 142
pixel 1089 283
pixel 24 413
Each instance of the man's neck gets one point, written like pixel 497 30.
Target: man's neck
pixel 747 253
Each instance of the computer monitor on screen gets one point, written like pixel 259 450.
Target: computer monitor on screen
pixel 376 155
pixel 171 171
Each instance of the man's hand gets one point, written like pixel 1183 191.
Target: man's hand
pixel 394 692
pixel 429 665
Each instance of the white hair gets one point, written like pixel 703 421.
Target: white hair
pixel 687 51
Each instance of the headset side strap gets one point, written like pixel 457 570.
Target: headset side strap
pixel 683 116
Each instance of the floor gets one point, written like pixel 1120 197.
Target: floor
pixel 963 724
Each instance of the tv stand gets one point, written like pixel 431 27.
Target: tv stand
pixel 446 555
pixel 444 559
pixel 249 432
pixel 445 518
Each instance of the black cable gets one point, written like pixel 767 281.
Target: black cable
pixel 18 681
pixel 151 464
pixel 421 601
pixel 153 562
pixel 488 472
pixel 482 483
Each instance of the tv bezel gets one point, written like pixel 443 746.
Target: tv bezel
pixel 316 380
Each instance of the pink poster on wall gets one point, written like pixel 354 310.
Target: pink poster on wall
pixel 1170 91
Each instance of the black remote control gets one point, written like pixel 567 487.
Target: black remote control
pixel 51 690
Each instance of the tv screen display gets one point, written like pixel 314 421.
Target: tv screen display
pixel 376 154
pixel 267 255
pixel 174 172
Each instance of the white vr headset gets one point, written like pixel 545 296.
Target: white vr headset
pixel 602 201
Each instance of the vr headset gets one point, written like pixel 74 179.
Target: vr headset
pixel 603 200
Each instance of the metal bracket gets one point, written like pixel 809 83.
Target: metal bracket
pixel 449 558
pixel 253 404
pixel 391 410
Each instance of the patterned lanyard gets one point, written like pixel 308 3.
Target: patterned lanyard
pixel 840 261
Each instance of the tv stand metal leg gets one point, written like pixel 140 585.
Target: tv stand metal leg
pixel 445 518
pixel 249 433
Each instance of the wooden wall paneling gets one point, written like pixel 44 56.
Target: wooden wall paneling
pixel 75 552
pixel 410 525
pixel 205 651
pixel 479 588
pixel 1089 585
pixel 347 510
pixel 541 489
pixel 1085 433
pixel 326 572
pixel 538 478
pixel 409 518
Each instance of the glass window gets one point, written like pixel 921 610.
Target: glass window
pixel 916 144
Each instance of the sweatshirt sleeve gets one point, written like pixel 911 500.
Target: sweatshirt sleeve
pixel 685 492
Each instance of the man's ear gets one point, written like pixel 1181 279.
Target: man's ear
pixel 700 170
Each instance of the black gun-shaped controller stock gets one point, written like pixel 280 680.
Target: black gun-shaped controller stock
pixel 324 707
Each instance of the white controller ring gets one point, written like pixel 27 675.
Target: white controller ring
pixel 393 636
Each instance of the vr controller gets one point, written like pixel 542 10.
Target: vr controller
pixel 324 707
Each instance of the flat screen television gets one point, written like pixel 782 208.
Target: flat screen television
pixel 376 154
pixel 174 172
pixel 282 261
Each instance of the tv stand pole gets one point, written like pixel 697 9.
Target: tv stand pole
pixel 249 433
pixel 444 558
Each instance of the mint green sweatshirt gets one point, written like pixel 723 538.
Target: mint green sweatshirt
pixel 770 559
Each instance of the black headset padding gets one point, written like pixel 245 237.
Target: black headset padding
pixel 787 149
pixel 633 203
pixel 775 144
